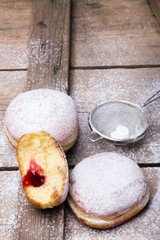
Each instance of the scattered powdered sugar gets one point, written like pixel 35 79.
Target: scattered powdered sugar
pixel 8 196
pixel 8 203
pixel 107 183
pixel 14 56
pixel 148 150
pixel 47 66
pixel 18 217
pixel 43 52
pixel 98 86
pixel 121 132
pixel 7 152
pixel 35 223
pixel 90 88
pixel 42 110
pixel 6 232
pixel 144 226
pixel 10 80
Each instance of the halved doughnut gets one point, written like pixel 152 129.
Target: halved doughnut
pixel 44 169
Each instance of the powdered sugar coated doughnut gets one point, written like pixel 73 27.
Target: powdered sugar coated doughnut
pixel 45 110
pixel 107 189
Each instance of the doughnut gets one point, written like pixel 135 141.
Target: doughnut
pixel 106 190
pixel 44 170
pixel 45 110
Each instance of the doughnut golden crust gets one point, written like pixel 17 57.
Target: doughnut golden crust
pixel 44 170
pixel 106 190
pixel 45 110
pixel 11 140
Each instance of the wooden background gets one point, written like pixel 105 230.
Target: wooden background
pixel 94 50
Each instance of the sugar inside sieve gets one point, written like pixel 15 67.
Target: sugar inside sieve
pixel 121 122
pixel 118 121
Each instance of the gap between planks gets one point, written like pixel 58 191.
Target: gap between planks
pixel 114 67
pixel 14 70
pixel 141 165
pixel 92 67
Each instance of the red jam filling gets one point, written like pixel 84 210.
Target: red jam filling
pixel 34 177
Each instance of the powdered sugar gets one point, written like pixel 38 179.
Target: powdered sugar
pixel 18 218
pixel 7 152
pixel 107 183
pixel 144 226
pixel 8 197
pixel 44 70
pixel 8 203
pixel 121 132
pixel 13 56
pixel 92 87
pixel 42 110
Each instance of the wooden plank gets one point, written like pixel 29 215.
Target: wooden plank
pixel 8 203
pixel 146 225
pixel 9 80
pixel 6 232
pixel 114 33
pixel 14 33
pixel 48 67
pixel 19 220
pixel 49 45
pixel 144 151
pixel 92 87
pixel 155 6
pixel 33 223
pixel 55 34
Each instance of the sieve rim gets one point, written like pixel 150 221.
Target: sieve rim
pixel 115 140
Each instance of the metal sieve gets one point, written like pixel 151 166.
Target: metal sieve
pixel 120 122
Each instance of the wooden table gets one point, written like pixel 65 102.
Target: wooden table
pixel 94 50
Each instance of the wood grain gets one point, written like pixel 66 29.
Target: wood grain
pixel 49 45
pixel 39 224
pixel 34 35
pixel 12 83
pixel 48 67
pixel 15 19
pixel 143 226
pixel 114 33
pixel 19 220
pixel 92 87
pixel 155 6
pixel 48 61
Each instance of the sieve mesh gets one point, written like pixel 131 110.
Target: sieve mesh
pixel 105 119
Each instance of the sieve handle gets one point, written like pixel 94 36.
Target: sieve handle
pixel 95 136
pixel 152 98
